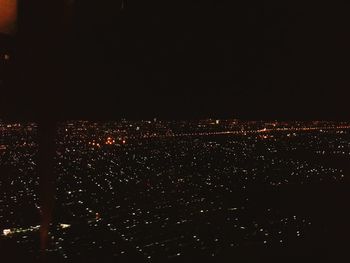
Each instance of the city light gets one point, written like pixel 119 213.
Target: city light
pixel 170 188
pixel 64 226
pixel 6 232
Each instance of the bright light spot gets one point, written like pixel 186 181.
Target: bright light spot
pixel 63 226
pixel 7 232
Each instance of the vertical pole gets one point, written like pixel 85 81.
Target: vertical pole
pixel 46 137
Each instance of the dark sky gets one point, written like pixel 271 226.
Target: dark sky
pixel 188 59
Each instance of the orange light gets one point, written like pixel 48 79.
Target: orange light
pixel 8 16
pixel 109 141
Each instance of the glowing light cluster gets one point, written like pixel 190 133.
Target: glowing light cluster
pixel 110 141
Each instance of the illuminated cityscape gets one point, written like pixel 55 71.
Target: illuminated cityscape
pixel 163 131
pixel 172 190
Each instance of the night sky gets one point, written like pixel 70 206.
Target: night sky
pixel 190 59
